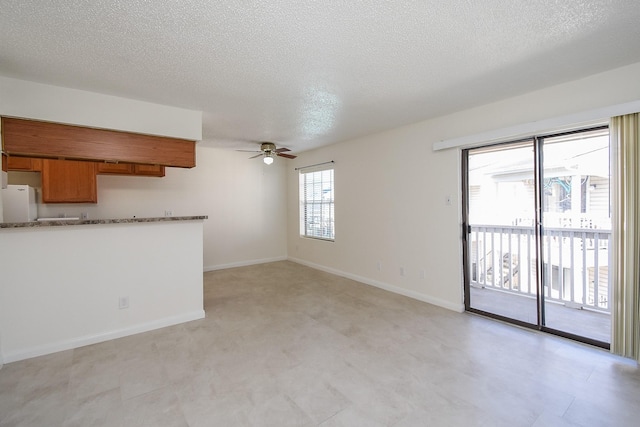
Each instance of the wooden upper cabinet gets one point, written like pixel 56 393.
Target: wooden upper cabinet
pixel 25 164
pixel 43 139
pixel 149 170
pixel 130 169
pixel 69 181
pixel 115 168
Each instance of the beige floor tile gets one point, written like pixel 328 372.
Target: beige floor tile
pixel 44 409
pixel 139 376
pixel 283 344
pixel 352 417
pixel 320 401
pixel 94 374
pixel 137 347
pixel 454 415
pixel 185 359
pixel 210 409
pixel 160 408
pixel 553 420
pixel 278 410
pixel 98 410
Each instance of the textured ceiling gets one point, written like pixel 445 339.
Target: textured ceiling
pixel 309 73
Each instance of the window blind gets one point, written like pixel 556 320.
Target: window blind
pixel 317 204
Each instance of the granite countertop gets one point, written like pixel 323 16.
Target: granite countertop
pixel 63 221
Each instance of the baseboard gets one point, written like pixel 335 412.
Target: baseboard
pixel 42 350
pixel 387 287
pixel 244 263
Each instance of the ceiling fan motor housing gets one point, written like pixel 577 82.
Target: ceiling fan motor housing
pixel 268 147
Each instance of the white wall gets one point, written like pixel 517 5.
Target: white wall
pixel 391 190
pixel 19 98
pixel 61 286
pixel 244 199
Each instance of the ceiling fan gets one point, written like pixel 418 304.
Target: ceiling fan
pixel 268 150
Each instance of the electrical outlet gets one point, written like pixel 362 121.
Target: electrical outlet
pixel 168 213
pixel 379 265
pixel 402 271
pixel 123 302
pixel 84 215
pixel 423 274
pixel 448 199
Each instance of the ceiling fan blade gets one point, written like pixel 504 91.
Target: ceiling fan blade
pixel 282 149
pixel 249 151
pixel 288 156
pixel 257 155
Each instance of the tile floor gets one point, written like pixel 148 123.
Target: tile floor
pixel 285 345
pixel 586 323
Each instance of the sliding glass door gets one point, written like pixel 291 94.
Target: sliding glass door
pixel 576 233
pixel 537 231
pixel 500 238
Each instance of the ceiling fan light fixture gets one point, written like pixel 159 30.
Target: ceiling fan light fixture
pixel 268 159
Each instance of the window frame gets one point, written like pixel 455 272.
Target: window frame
pixel 318 203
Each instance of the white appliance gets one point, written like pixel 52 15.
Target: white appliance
pixel 19 203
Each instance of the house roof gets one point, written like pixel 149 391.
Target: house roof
pixel 565 155
pixel 305 74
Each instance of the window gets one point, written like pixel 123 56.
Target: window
pixel 316 204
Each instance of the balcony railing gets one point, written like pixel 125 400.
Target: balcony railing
pixel 575 261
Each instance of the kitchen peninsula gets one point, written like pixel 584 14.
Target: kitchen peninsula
pixel 69 283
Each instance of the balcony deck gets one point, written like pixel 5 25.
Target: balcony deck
pixel 586 323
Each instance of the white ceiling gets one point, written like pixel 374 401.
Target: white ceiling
pixel 310 73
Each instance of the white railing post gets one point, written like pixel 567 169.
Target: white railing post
pixel 578 266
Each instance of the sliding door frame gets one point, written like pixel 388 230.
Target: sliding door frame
pixel 538 159
pixel 466 231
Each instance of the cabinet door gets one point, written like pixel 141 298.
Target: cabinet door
pixel 149 170
pixel 26 164
pixel 69 181
pixel 115 168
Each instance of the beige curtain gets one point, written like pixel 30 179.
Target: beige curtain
pixel 625 142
